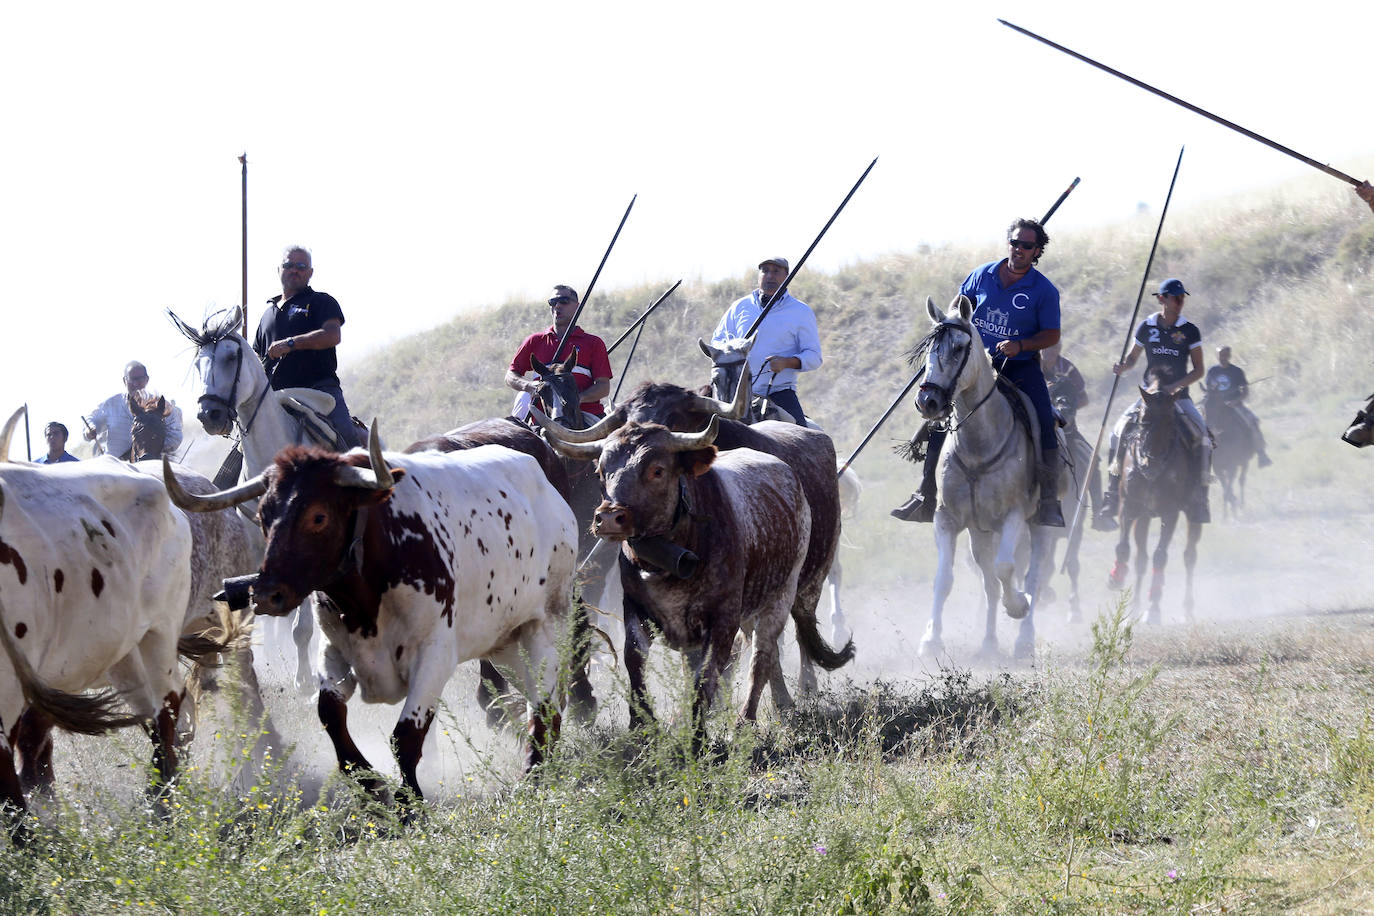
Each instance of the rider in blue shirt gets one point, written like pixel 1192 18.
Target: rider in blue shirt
pixel 1016 312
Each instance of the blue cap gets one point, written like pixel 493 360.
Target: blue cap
pixel 1172 287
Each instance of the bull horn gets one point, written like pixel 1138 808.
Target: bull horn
pixel 730 411
pixel 580 451
pixel 210 502
pixel 377 477
pixel 595 433
pixel 8 432
pixel 686 442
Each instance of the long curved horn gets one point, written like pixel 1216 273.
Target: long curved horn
pixel 580 451
pixel 731 411
pixel 210 502
pixel 377 477
pixel 686 442
pixel 595 433
pixel 8 432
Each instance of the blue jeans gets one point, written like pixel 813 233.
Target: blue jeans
pixel 341 419
pixel 786 398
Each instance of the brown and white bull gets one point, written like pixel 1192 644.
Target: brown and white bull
pixel 810 454
pixel 426 560
pixel 94 581
pixel 741 521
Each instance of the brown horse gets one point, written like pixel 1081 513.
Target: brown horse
pixel 150 425
pixel 1235 447
pixel 1158 475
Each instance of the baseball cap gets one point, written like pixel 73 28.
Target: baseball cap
pixel 1172 287
pixel 781 262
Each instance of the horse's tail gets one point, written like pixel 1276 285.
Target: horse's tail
pixel 816 648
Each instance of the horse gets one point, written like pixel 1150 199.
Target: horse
pixel 1075 456
pixel 1157 479
pixel 730 371
pixel 149 431
pixel 986 479
pixel 237 396
pixel 1235 447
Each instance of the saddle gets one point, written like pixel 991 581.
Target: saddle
pixel 311 409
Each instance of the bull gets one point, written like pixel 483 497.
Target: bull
pixel 424 560
pixel 712 544
pixel 808 452
pixel 95 569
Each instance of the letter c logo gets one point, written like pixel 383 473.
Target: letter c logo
pixel 1019 300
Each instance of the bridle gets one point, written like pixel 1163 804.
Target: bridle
pixel 231 403
pixel 934 340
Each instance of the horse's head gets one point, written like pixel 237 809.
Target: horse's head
pixel 728 365
pixel 1157 402
pixel 951 342
pixel 150 424
pixel 561 397
pixel 229 371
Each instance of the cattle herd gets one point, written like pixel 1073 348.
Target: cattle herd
pixel 462 547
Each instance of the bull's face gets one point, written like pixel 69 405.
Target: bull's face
pixel 641 467
pixel 308 514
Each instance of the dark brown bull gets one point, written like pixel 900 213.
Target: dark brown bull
pixel 808 452
pixel 743 518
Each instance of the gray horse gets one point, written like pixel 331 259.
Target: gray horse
pixel 986 480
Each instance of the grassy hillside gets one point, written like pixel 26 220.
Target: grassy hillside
pixel 1285 277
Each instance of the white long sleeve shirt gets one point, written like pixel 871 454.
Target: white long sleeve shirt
pixel 114 426
pixel 789 330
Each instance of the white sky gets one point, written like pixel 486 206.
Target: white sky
pixel 441 156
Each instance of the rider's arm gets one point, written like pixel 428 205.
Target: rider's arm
pixel 1037 341
pixel 1129 361
pixel 520 383
pixel 1198 371
pixel 597 390
pixel 328 335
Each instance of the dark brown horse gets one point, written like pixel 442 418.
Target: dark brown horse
pixel 1235 447
pixel 150 425
pixel 1158 476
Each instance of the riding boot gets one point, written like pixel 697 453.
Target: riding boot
pixel 1048 514
pixel 1105 519
pixel 921 506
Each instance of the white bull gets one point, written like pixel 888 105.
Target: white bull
pixel 94 580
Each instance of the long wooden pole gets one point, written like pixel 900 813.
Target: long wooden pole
pixel 591 286
pixel 243 161
pixel 640 320
pixel 1335 173
pixel 1125 347
pixel 782 290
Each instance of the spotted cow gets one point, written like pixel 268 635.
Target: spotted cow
pixel 425 560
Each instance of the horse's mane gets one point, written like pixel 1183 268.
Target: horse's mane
pixel 1154 379
pixel 145 401
pixel 917 354
pixel 218 326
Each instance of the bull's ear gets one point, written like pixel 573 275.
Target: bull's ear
pixel 698 461
pixel 379 497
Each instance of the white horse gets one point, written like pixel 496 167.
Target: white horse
pixel 986 476
pixel 236 397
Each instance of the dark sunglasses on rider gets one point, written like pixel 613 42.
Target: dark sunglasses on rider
pixel 1024 246
pixel 292 265
pixel 560 300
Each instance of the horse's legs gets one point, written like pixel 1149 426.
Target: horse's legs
pixel 302 629
pixel 932 643
pixel 1141 527
pixel 1189 562
pixel 1014 599
pixel 1042 540
pixel 981 545
pixel 1116 579
pixel 1167 523
pixel 839 627
pixel 1071 566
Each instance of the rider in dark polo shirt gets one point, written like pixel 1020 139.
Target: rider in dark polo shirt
pixel 297 336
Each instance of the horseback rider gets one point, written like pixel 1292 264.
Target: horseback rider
pixel 1173 348
pixel 593 370
pixel 1227 383
pixel 1065 381
pixel 1017 315
pixel 786 344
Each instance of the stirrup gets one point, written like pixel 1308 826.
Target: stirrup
pixel 1049 514
pixel 915 509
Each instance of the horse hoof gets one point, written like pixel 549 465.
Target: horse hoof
pixel 305 686
pixel 931 647
pixel 1017 605
pixel 1116 581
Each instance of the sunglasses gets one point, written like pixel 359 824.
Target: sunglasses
pixel 292 265
pixel 560 300
pixel 1024 246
